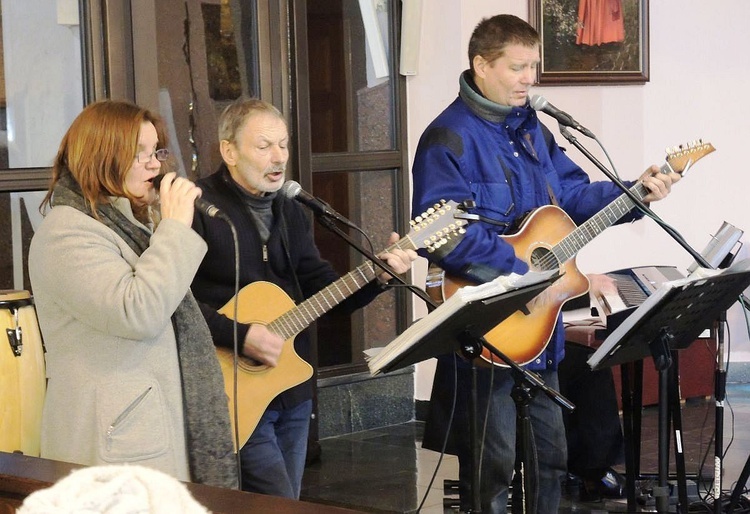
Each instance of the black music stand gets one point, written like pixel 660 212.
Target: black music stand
pixel 463 331
pixel 438 334
pixel 668 320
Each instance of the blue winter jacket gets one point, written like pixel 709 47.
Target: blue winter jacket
pixel 501 158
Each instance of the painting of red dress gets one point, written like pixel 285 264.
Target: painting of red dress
pixel 592 41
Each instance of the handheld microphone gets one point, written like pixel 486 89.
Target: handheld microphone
pixel 539 103
pixel 202 205
pixel 294 191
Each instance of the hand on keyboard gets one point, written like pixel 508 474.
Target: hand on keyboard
pixel 603 288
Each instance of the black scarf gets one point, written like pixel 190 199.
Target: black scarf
pixel 208 430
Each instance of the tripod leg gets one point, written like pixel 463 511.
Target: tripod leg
pixel 525 448
pixel 661 492
pixel 476 500
pixel 676 415
pixel 628 433
pixel 528 465
pixel 662 356
pixel 517 486
pixel 720 389
pixel 718 455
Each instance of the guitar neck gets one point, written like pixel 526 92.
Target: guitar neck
pixel 583 234
pixel 297 319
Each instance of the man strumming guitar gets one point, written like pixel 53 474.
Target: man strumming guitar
pixel 488 146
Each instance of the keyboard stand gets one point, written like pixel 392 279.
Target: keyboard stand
pixel 632 409
pixel 669 320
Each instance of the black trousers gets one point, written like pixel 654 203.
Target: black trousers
pixel 593 429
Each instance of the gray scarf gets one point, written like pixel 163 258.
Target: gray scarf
pixel 208 430
pixel 481 106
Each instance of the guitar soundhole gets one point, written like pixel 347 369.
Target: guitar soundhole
pixel 542 259
pixel 251 365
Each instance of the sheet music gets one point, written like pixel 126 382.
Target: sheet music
pixel 722 244
pixel 376 361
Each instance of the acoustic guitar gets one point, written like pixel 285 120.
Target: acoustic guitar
pixel 268 304
pixel 548 239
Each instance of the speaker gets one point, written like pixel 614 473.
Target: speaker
pixel 411 32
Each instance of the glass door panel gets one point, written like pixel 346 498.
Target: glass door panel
pixel 41 92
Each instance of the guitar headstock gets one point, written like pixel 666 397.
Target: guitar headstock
pixel 438 228
pixel 681 158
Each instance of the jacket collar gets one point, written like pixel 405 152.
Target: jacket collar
pixel 484 108
pixel 479 105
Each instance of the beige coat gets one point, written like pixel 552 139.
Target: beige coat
pixel 114 392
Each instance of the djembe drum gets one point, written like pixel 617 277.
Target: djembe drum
pixel 22 374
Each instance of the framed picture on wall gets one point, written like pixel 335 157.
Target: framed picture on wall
pixel 592 41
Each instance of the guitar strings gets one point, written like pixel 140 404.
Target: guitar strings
pixel 552 260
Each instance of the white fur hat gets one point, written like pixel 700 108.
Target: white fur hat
pixel 116 489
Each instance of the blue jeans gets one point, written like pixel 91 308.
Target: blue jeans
pixel 273 459
pixel 499 443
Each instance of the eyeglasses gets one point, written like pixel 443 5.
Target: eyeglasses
pixel 162 154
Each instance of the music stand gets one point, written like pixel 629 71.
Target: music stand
pixel 455 321
pixel 668 320
pixel 462 329
pixel 720 253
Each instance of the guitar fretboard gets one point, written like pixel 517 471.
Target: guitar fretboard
pixel 583 234
pixel 297 319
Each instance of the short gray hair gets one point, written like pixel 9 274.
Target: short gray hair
pixel 237 113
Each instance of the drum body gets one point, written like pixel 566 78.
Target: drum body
pixel 22 374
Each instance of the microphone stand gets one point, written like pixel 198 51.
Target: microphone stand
pixel 661 493
pixel 638 203
pixel 526 382
pixel 328 223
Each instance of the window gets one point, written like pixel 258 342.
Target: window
pixel 329 65
pixel 41 91
pixel 357 156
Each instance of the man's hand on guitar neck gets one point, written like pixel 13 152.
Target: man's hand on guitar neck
pixel 659 184
pixel 262 345
pixel 398 259
pixel 265 347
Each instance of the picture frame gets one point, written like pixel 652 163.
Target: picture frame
pixel 591 42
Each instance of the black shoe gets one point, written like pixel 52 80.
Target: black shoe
pixel 572 485
pixel 610 485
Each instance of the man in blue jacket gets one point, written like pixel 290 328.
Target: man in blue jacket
pixel 489 147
